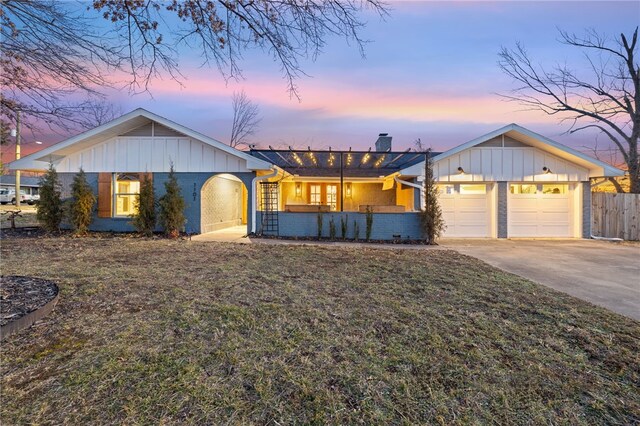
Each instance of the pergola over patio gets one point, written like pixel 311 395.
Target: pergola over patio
pixel 339 167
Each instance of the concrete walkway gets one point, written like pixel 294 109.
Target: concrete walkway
pixel 235 234
pixel 603 273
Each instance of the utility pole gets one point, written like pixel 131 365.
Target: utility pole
pixel 17 158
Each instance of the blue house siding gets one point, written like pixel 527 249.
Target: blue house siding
pixel 190 186
pixel 386 226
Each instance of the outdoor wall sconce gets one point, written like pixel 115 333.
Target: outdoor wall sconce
pixel 461 170
pixel 546 170
pixel 298 189
pixel 347 190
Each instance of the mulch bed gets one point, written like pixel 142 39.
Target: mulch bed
pixel 20 296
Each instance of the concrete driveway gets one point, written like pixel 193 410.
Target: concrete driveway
pixel 600 272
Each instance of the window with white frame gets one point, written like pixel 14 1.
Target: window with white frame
pixel 126 187
pixel 315 194
pixel 332 197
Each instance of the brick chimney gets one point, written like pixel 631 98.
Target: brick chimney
pixel 383 143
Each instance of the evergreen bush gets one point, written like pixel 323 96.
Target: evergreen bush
pixel 332 228
pixel 369 217
pixel 49 211
pixel 172 206
pixel 144 219
pixel 319 220
pixel 80 208
pixel 344 222
pixel 431 215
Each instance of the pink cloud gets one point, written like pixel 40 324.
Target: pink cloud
pixel 346 100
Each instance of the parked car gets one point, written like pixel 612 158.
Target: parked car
pixel 9 196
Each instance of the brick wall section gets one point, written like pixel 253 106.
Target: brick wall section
pixel 503 208
pixel 190 185
pixel 386 226
pixel 586 209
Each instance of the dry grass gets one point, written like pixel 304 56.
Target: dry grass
pixel 161 332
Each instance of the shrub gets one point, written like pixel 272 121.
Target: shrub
pixel 144 219
pixel 344 221
pixel 356 230
pixel 319 220
pixel 80 212
pixel 369 213
pixel 332 228
pixel 431 216
pixel 172 205
pixel 49 211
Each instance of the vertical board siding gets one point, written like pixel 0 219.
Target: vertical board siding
pixel 488 164
pixel 152 154
pixel 615 215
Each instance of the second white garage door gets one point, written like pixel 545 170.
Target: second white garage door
pixel 465 209
pixel 539 210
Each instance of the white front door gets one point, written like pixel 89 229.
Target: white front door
pixel 540 210
pixel 465 209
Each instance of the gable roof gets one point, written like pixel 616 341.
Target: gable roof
pixel 121 125
pixel 536 140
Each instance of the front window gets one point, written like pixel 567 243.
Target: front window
pixel 332 196
pixel 315 194
pixel 126 189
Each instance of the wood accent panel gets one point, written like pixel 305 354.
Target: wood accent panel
pixel 105 194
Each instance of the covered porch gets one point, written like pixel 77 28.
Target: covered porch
pixel 340 194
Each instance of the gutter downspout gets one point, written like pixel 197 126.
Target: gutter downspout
pixel 414 185
pixel 254 187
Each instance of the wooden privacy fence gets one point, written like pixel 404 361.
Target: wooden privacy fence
pixel 615 215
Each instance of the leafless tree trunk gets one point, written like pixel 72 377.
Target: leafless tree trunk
pixel 246 118
pixel 608 101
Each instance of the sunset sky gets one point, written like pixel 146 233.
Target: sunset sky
pixel 430 72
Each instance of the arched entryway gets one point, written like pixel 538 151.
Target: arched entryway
pixel 223 203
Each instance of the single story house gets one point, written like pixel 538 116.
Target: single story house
pixel 29 184
pixel 509 183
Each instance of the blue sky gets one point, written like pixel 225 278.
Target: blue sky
pixel 430 72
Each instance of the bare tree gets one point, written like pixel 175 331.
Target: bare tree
pixel 607 100
pixel 49 54
pixel 419 146
pixel 246 118
pixel 53 51
pixel 96 112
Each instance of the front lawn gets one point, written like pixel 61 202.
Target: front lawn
pixel 179 332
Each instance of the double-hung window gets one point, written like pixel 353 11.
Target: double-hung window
pixel 126 187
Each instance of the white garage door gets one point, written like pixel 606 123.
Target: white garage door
pixel 465 208
pixel 539 210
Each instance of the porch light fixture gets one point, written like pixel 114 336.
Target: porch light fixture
pixel 298 189
pixel 347 190
pixel 546 170
pixel 461 170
